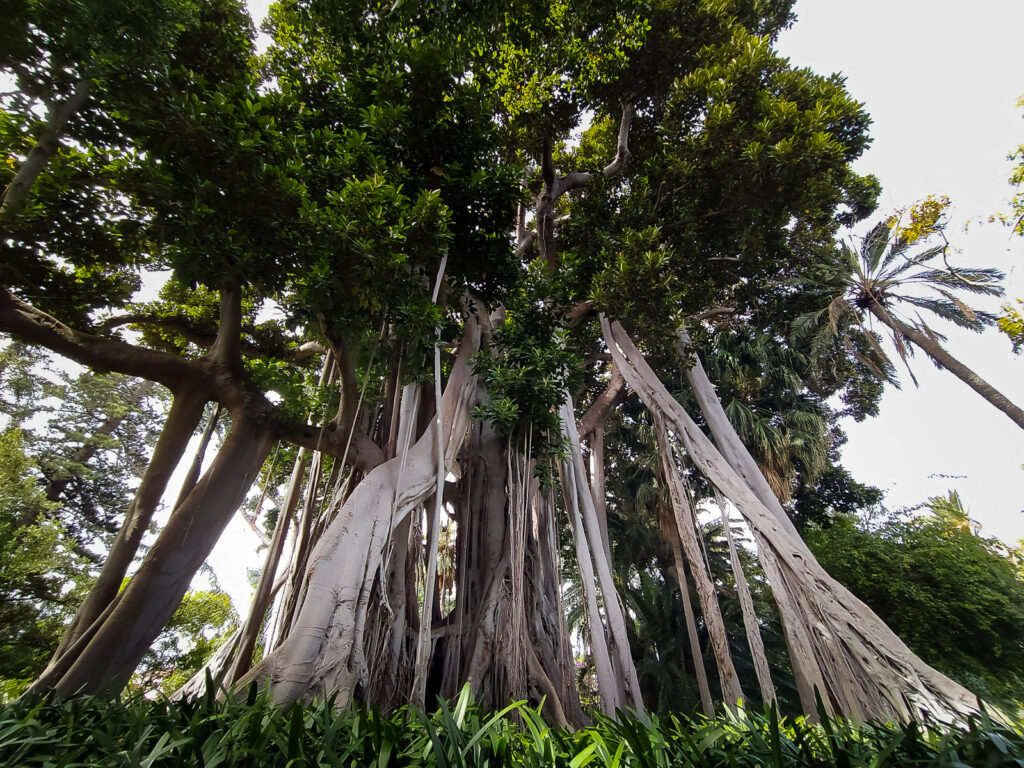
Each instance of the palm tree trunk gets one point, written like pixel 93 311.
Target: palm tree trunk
pixel 935 351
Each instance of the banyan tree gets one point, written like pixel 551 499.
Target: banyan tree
pixel 421 256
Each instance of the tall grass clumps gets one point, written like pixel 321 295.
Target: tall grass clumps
pixel 250 731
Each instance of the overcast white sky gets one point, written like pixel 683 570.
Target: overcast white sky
pixel 941 80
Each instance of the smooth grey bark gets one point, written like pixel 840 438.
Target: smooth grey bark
pixel 45 148
pixel 592 429
pixel 937 352
pixel 196 468
pixel 322 650
pixel 609 684
pixel 806 671
pixel 728 441
pixel 249 632
pixel 423 645
pixel 614 612
pixel 156 589
pixel 182 419
pixel 686 525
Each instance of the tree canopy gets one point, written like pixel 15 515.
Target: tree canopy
pixel 426 252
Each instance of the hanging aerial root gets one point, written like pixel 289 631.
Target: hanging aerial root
pixel 589 527
pixel 869 672
pixel 318 656
pixel 686 526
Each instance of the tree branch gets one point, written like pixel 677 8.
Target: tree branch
pixel 525 242
pixel 226 348
pixel 44 150
pixel 578 179
pixel 603 405
pixel 194 335
pixel 622 147
pixel 579 313
pixel 35 327
pixel 713 313
pixel 346 414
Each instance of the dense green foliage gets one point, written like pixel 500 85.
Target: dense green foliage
pixel 315 189
pixel 1011 322
pixel 70 454
pixel 203 621
pixel 41 578
pixel 89 434
pixel 956 598
pixel 250 732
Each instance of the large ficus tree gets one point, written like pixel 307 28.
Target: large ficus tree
pixel 452 239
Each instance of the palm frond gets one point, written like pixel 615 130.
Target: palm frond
pixel 742 418
pixel 875 243
pixel 948 308
pixel 921 258
pixel 877 362
pixel 984 281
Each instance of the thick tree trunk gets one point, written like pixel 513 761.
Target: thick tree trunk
pixel 869 672
pixel 182 420
pixel 324 649
pixel 156 589
pixel 686 525
pixel 936 352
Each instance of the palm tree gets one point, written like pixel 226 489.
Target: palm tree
pixel 882 279
pixel 783 425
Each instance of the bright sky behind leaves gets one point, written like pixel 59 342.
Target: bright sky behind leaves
pixel 940 80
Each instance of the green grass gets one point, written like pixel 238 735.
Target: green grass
pixel 249 731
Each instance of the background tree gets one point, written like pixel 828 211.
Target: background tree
pixel 883 276
pixel 953 595
pixel 203 621
pixel 89 434
pixel 41 577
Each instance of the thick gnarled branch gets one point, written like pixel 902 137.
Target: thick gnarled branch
pixel 36 327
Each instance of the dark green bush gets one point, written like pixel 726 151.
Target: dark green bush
pixel 249 731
